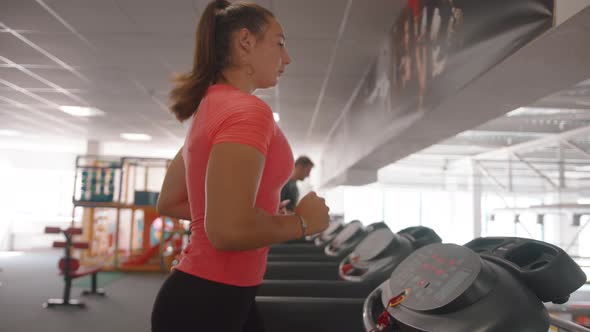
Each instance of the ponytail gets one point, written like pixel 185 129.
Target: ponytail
pixel 212 50
pixel 191 87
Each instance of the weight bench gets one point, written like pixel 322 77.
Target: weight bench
pixel 70 269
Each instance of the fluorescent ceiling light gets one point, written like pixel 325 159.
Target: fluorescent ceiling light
pixel 136 137
pixel 9 132
pixel 543 111
pixel 81 111
pixel 276 116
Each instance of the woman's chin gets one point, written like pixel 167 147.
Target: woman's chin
pixel 269 84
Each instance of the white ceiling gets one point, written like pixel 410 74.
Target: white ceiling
pixel 540 134
pixel 118 56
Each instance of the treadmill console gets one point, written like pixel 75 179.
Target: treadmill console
pixel 441 275
pixel 538 264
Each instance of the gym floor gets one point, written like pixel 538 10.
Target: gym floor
pixel 30 279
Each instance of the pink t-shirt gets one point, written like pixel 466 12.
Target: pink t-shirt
pixel 227 114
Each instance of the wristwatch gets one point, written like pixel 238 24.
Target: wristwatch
pixel 303 225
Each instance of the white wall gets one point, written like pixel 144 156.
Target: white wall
pixel 447 212
pixel 37 179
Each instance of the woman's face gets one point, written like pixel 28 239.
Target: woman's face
pixel 269 56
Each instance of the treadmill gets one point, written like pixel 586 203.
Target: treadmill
pixel 310 244
pixel 369 264
pixel 488 285
pixel 338 247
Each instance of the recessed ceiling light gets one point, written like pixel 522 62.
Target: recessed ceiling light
pixel 543 111
pixel 276 116
pixel 136 137
pixel 81 111
pixel 9 132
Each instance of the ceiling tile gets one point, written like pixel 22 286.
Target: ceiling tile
pixel 309 19
pixel 18 97
pixel 93 16
pixel 17 77
pixel 60 77
pixel 68 48
pixel 19 52
pixel 28 15
pixel 178 16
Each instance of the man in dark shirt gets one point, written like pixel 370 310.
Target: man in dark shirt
pixel 303 166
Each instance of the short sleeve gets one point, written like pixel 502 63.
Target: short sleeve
pixel 249 121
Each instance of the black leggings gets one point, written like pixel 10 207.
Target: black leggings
pixel 187 303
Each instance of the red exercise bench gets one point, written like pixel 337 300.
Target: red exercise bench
pixel 70 268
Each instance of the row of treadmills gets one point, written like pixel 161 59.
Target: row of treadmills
pixel 356 278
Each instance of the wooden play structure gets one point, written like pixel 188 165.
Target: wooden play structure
pixel 114 204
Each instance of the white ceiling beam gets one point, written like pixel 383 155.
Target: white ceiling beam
pixel 489 175
pixel 577 148
pixel 550 140
pixel 535 170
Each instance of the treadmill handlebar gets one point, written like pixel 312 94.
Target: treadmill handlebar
pixel 566 326
pixel 368 319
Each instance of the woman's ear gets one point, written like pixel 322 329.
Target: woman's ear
pixel 245 40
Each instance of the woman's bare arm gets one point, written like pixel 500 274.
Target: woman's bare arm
pixel 232 221
pixel 173 198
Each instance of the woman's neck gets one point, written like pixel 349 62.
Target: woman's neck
pixel 237 78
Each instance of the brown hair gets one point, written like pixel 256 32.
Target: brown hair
pixel 219 21
pixel 304 161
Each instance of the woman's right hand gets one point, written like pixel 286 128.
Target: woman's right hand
pixel 314 211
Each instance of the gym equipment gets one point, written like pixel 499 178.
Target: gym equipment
pixel 308 244
pixel 348 238
pixel 488 285
pixel 308 266
pixel 301 271
pixel 340 246
pixel 509 286
pixel 370 263
pixel 70 268
pixel 328 234
pixel 296 248
pixel 383 250
pixel 311 247
pixel 297 314
pixel 566 326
